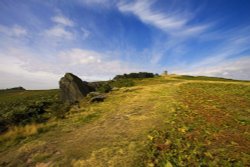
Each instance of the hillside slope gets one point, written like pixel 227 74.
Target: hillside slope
pixel 163 121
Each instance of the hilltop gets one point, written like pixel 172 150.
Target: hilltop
pixel 167 120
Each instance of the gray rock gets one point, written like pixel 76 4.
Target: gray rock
pixel 93 94
pixel 99 98
pixel 115 89
pixel 73 89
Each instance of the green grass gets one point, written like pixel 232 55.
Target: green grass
pixel 88 118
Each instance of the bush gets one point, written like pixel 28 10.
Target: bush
pixel 59 109
pixel 125 82
pixel 28 114
pixel 105 88
pixel 135 75
pixel 3 125
pixel 20 107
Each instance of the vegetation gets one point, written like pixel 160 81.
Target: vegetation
pixel 21 107
pixel 104 88
pixel 162 121
pixel 135 75
pixel 13 89
pixel 124 82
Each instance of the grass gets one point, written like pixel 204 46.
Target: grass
pixel 14 97
pixel 205 78
pixel 19 132
pixel 210 127
pixel 161 121
pixel 88 118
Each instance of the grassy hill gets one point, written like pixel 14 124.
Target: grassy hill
pixel 162 121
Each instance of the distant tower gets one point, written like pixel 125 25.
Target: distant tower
pixel 165 72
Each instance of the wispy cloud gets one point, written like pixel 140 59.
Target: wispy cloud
pixel 233 44
pixel 227 59
pixel 25 70
pixel 98 3
pixel 61 28
pixel 237 68
pixel 28 69
pixel 86 33
pixel 59 19
pixel 143 10
pixel 59 31
pixel 174 22
pixel 14 31
pixel 93 63
pixel 79 56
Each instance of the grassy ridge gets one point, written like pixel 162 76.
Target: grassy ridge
pixel 161 121
pixel 205 78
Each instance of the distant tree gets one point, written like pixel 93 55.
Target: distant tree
pixel 135 75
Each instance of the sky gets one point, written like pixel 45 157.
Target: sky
pixel 40 40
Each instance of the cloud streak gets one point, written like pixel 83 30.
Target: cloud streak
pixel 173 22
pixel 59 19
pixel 14 31
pixel 59 32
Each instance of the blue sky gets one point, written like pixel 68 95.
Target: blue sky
pixel 98 39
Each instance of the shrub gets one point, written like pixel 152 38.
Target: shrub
pixel 23 116
pixel 125 82
pixel 104 88
pixel 19 108
pixel 3 125
pixel 59 109
pixel 135 75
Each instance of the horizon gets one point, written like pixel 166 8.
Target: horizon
pixel 98 39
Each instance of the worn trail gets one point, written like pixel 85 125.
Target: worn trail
pixel 112 133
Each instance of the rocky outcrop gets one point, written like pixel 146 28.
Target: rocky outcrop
pixel 73 89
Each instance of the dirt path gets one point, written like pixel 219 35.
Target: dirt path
pixel 118 137
pixel 116 134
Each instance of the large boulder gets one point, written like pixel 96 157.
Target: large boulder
pixel 73 89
